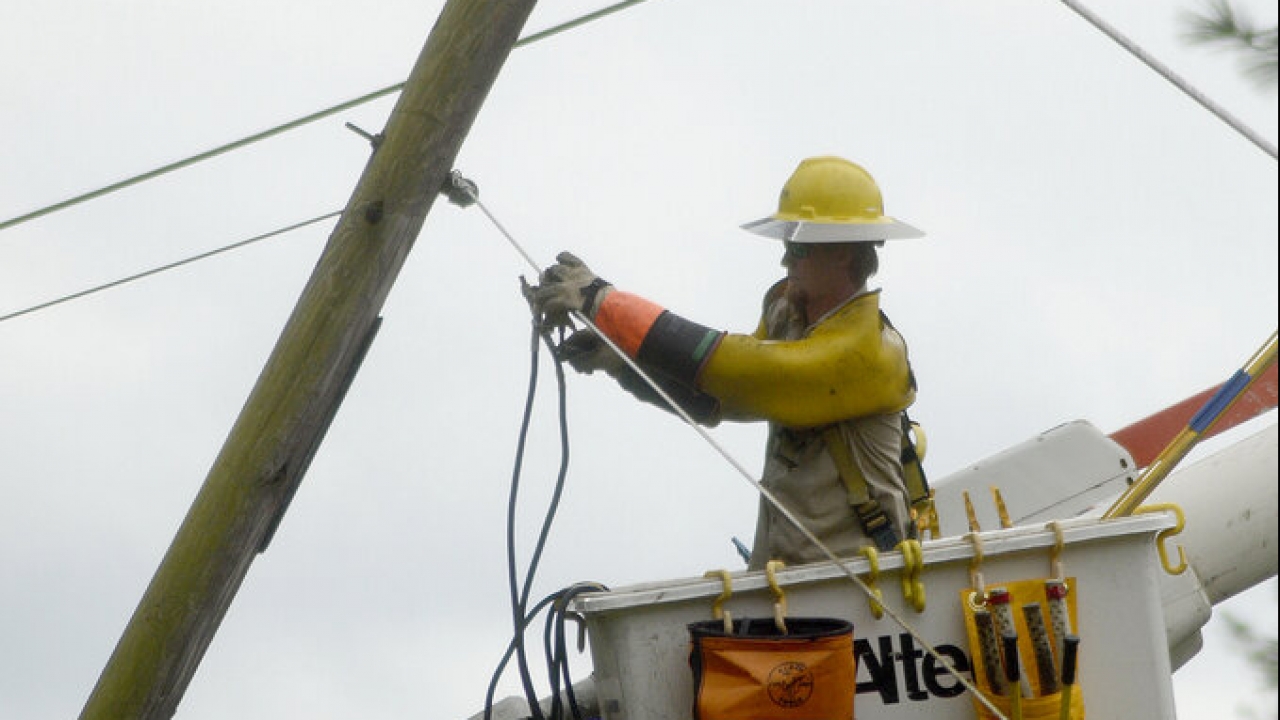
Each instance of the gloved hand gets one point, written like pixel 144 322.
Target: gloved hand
pixel 566 287
pixel 587 353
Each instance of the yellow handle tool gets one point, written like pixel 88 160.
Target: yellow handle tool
pixel 1195 429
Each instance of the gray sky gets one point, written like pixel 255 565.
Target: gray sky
pixel 1099 247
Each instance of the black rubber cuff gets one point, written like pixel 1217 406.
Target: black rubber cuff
pixel 678 347
pixel 700 406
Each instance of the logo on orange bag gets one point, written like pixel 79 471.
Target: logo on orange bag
pixel 790 684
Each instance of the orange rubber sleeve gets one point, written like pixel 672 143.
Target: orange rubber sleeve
pixel 627 318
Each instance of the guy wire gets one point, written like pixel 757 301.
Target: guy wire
pixel 471 192
pixel 169 266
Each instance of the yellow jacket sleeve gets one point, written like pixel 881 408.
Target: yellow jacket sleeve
pixel 850 365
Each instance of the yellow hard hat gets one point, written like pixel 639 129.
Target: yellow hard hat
pixel 831 200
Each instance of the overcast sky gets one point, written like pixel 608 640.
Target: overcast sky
pixel 1098 248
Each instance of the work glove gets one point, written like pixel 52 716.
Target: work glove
pixel 587 353
pixel 566 287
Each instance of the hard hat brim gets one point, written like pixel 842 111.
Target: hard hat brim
pixel 808 231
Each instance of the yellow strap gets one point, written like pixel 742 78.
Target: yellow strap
pixel 854 482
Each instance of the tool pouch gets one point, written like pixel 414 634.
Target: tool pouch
pixel 759 672
pixel 986 659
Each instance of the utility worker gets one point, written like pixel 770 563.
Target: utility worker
pixel 824 368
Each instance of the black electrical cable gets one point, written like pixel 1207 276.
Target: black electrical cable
pixel 573 699
pixel 556 651
pixel 563 472
pixel 519 600
pixel 550 657
pixel 560 664
pixel 516 595
pixel 552 507
pixel 558 602
pixel 506 656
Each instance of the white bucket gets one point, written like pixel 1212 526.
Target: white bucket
pixel 640 644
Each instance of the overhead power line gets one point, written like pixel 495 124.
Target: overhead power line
pixel 186 162
pixel 170 266
pixel 291 125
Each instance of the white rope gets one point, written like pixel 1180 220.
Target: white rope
pixel 470 189
pixel 1173 77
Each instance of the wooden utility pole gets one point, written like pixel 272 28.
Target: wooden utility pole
pixel 314 360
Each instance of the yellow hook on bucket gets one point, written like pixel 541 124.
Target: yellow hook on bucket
pixel 873 575
pixel 912 566
pixel 779 598
pixel 1164 535
pixel 726 591
pixel 977 598
pixel 1055 554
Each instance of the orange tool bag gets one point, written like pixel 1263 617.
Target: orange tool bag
pixel 761 671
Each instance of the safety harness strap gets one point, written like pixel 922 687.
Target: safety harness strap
pixel 919 495
pixel 875 523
